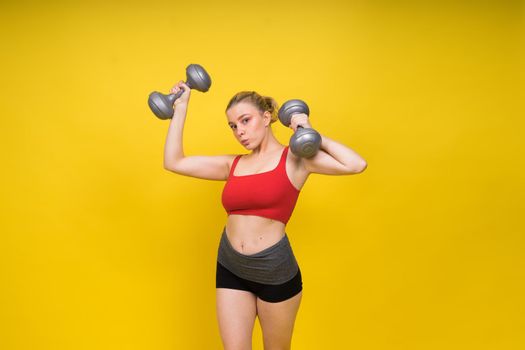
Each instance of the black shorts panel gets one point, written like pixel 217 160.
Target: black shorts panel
pixel 267 292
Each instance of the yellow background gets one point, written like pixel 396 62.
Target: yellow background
pixel 101 248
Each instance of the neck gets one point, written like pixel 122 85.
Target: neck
pixel 268 145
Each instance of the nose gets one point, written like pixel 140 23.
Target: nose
pixel 240 131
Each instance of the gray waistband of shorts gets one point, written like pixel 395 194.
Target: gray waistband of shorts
pixel 273 265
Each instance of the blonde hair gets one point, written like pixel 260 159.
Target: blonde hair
pixel 263 103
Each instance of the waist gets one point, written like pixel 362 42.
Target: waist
pixel 249 234
pixel 273 265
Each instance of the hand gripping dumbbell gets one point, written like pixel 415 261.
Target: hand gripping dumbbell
pixel 305 142
pixel 162 105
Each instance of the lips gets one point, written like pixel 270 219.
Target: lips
pixel 245 142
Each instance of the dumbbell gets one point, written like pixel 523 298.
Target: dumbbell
pixel 305 142
pixel 162 105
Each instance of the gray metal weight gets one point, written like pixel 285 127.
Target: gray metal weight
pixel 162 105
pixel 305 142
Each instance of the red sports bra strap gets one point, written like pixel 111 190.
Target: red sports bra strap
pixel 234 164
pixel 282 161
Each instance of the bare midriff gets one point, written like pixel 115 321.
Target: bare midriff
pixel 250 234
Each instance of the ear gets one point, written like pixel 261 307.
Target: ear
pixel 267 117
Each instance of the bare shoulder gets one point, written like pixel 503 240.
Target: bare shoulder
pixel 228 158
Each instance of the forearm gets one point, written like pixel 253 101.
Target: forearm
pixel 343 154
pixel 173 148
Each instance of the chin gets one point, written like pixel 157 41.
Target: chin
pixel 249 146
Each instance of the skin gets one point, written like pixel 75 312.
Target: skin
pixel 236 309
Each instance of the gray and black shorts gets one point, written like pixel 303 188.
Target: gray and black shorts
pixel 271 274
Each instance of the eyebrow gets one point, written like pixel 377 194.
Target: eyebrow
pixel 239 117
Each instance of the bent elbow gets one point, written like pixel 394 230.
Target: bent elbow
pixel 172 163
pixel 169 167
pixel 363 167
pixel 357 169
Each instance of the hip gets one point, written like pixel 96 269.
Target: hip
pixel 273 265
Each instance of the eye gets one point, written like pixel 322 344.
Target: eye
pixel 245 120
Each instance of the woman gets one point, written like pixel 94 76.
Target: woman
pixel 257 273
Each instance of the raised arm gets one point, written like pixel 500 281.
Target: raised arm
pixel 204 167
pixel 333 158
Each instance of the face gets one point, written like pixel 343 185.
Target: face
pixel 248 124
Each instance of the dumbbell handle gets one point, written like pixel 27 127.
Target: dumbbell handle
pixel 178 94
pixel 298 126
pixel 172 97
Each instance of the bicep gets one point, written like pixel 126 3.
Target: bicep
pixel 204 167
pixel 324 163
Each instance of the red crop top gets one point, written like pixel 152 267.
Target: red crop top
pixel 270 194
